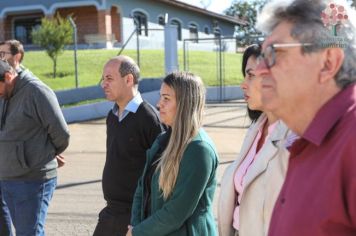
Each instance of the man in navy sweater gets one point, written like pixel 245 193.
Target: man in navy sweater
pixel 132 126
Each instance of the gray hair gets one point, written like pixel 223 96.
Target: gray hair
pixel 308 27
pixel 5 67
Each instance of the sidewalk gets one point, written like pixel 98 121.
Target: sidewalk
pixel 78 198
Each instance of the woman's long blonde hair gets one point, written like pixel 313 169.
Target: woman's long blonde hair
pixel 190 99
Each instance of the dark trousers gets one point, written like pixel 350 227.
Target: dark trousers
pixel 113 222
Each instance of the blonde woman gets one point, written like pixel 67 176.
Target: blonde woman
pixel 175 193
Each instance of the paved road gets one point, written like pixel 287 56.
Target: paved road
pixel 79 198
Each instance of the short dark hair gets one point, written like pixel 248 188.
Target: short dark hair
pixel 15 47
pixel 129 67
pixel 253 50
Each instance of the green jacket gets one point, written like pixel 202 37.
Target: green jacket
pixel 188 211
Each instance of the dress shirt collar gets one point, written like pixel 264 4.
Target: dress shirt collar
pixel 132 106
pixel 329 114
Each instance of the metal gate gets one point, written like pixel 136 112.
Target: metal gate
pixel 227 54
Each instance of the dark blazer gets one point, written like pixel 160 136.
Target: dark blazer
pixel 188 211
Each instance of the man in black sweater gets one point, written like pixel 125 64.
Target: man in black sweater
pixel 132 126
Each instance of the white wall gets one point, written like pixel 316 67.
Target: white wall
pixel 155 38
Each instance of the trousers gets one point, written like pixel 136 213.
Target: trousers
pixel 5 219
pixel 113 222
pixel 28 203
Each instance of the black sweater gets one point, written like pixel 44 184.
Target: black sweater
pixel 126 144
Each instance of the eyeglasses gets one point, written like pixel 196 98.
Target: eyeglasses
pixel 3 53
pixel 269 54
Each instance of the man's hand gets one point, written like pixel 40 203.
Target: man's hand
pixel 129 232
pixel 60 160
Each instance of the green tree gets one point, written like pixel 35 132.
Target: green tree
pixel 247 11
pixel 53 35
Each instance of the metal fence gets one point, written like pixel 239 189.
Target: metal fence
pixel 216 60
pixel 225 55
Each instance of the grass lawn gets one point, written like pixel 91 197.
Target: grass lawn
pixel 91 62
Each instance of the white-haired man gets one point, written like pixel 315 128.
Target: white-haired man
pixel 308 65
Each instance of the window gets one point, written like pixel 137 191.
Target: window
pixel 161 20
pixel 206 30
pixel 23 28
pixel 193 32
pixel 141 22
pixel 179 28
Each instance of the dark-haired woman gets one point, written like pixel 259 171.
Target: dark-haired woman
pixel 251 184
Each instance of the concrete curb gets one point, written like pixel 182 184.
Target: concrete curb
pixel 100 109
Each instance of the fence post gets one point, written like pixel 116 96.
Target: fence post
pixel 220 69
pixel 170 48
pixel 75 49
pixel 138 29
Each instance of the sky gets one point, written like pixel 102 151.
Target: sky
pixel 217 6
